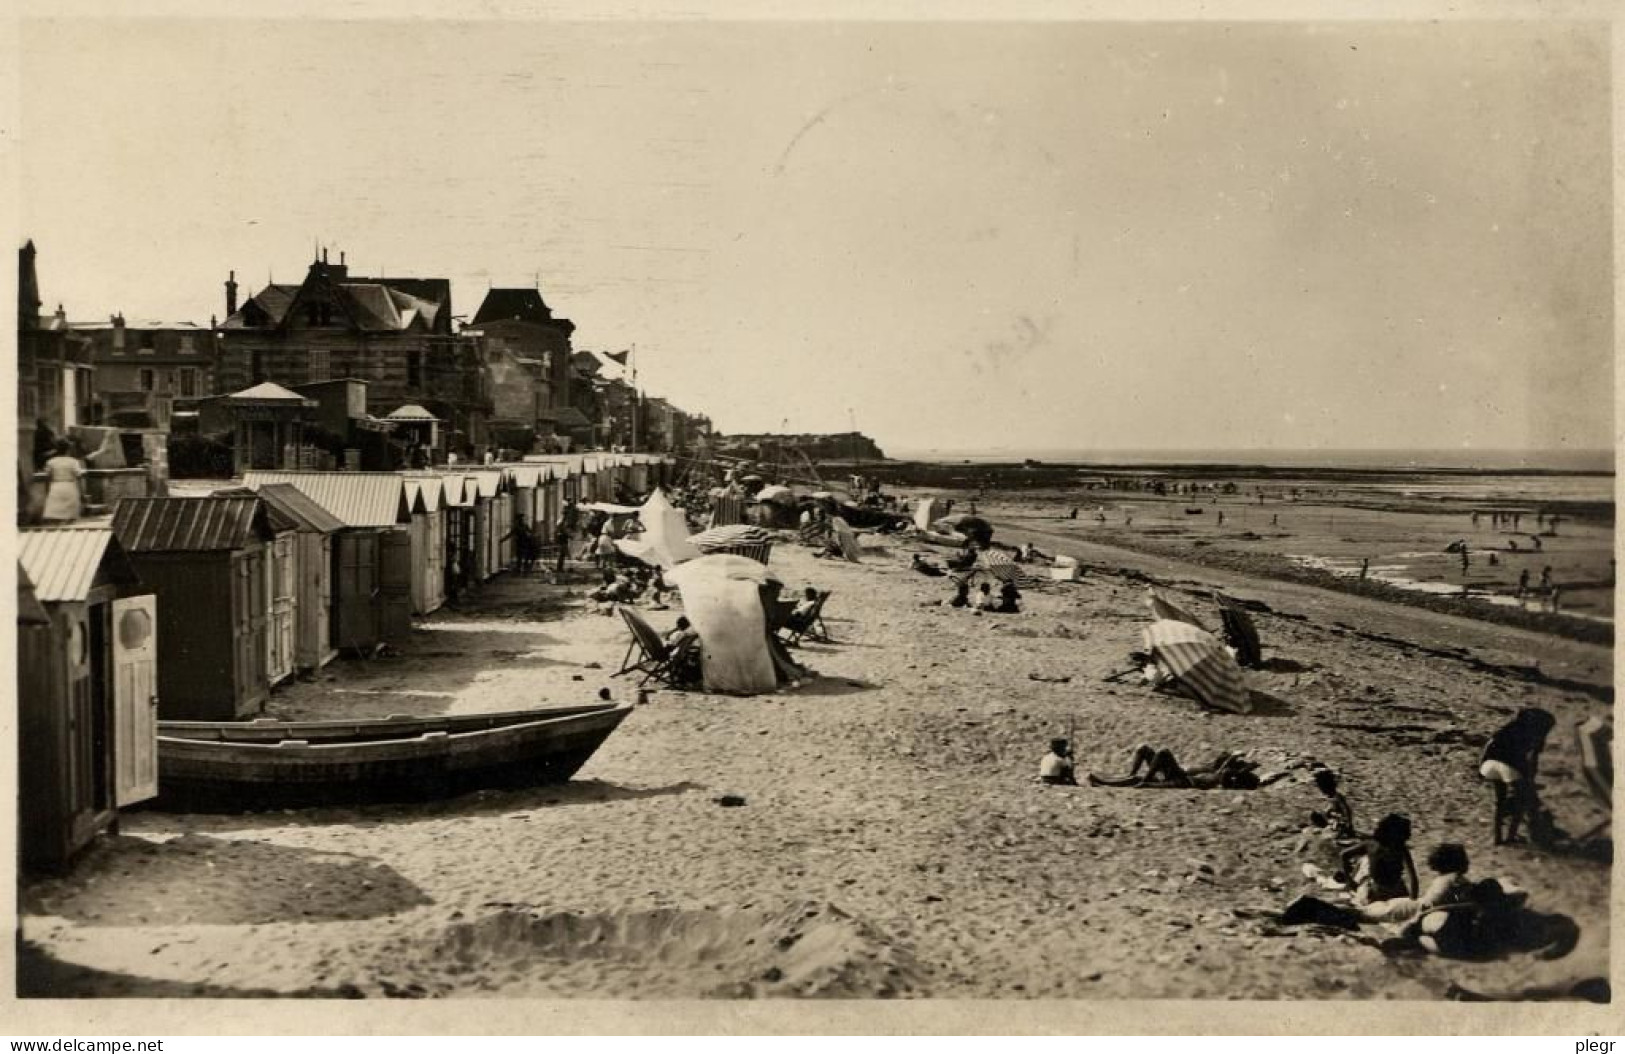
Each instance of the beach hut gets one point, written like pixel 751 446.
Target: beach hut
pixel 315 529
pixel 205 560
pixel 281 597
pixel 426 497
pixel 458 561
pixel 493 518
pixel 372 600
pixel 86 690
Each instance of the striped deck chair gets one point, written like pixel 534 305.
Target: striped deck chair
pixel 812 627
pixel 1595 738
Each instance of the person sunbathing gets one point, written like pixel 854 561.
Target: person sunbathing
pixel 1227 771
pixel 800 617
pixel 1451 886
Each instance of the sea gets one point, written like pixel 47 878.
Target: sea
pixel 1558 461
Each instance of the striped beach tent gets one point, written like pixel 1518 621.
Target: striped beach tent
pixel 728 509
pixel 1000 565
pixel 1200 663
pixel 1163 608
pixel 741 539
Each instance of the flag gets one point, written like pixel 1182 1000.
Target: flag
pixel 618 357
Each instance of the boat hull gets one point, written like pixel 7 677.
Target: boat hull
pixel 260 766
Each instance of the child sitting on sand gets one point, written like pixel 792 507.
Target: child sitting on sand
pixel 1009 599
pixel 1228 771
pixel 1386 871
pixel 985 600
pixel 1057 768
pixel 1337 806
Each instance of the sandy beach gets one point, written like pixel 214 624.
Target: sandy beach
pixel 892 840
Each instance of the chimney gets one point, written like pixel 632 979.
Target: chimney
pixel 231 294
pixel 341 257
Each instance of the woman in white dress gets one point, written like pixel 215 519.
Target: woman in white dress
pixel 64 493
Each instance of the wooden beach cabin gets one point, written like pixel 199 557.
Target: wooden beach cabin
pixel 86 691
pixel 458 563
pixel 493 519
pixel 372 599
pixel 425 495
pixel 206 561
pixel 314 532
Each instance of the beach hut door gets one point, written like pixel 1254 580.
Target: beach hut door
pixel 135 699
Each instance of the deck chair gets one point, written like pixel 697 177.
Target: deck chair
pixel 812 627
pixel 646 653
pixel 1595 738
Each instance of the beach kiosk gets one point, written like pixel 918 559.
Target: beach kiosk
pixel 86 691
pixel 205 560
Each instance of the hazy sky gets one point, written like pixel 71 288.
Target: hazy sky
pixel 1076 235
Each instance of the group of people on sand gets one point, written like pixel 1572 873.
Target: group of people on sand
pixel 1007 601
pixel 1373 874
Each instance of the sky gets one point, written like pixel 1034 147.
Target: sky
pixel 1087 236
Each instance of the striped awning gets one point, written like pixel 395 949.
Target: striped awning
pixel 1200 662
pixel 741 539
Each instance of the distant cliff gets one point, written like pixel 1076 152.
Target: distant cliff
pixel 838 446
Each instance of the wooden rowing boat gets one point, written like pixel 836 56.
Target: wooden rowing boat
pixel 212 766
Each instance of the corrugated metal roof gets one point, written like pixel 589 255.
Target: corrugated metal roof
pixel 287 499
pixel 357 499
pixel 62 561
pixel 189 525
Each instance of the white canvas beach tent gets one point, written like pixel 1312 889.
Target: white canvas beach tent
pixel 664 541
pixel 723 601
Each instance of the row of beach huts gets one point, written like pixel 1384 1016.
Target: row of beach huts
pixel 194 606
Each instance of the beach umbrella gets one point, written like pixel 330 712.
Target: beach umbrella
pixel 777 493
pixel 1163 608
pixel 1238 626
pixel 1200 663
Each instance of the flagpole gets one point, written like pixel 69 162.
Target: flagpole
pixel 632 358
